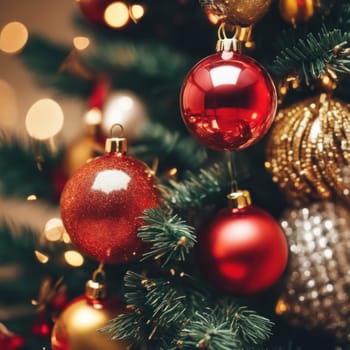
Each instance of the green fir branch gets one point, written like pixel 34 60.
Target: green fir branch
pixel 310 57
pixel 170 147
pixel 198 189
pixel 20 175
pixel 170 237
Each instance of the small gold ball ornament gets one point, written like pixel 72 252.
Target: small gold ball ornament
pixel 296 11
pixel 236 12
pixel 77 326
pixel 308 150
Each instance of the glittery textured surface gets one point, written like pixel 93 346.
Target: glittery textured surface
pixel 76 327
pixel 101 205
pixel 228 101
pixel 316 292
pixel 308 151
pixel 243 12
pixel 242 251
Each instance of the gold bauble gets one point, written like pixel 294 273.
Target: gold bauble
pixel 79 152
pixel 315 293
pixel 236 12
pixel 77 326
pixel 296 11
pixel 308 150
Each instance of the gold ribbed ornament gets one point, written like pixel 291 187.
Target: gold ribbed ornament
pixel 308 151
pixel 236 12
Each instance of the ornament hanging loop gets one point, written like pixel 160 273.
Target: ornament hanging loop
pixel 118 144
pixel 117 125
pixel 96 287
pixel 234 43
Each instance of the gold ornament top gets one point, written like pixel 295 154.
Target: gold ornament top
pixel 117 144
pixel 237 12
pixel 239 199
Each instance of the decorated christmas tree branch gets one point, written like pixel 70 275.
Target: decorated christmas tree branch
pixel 171 238
pixel 160 306
pixel 197 189
pixel 314 55
pixel 169 147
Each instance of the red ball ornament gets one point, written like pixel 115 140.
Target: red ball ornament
pixel 42 326
pixel 103 201
pixel 9 340
pixel 228 101
pixel 243 250
pixel 94 10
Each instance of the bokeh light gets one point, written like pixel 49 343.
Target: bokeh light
pixel 8 105
pixel 93 116
pixel 42 258
pixel 44 119
pixel 116 14
pixel 54 230
pixel 73 258
pixel 81 42
pixel 13 37
pixel 137 11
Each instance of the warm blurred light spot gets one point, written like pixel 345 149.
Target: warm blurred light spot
pixel 44 119
pixel 73 258
pixel 32 197
pixel 66 239
pixel 13 37
pixel 213 19
pixel 117 14
pixel 93 116
pixel 137 11
pixel 42 258
pixel 54 230
pixel 8 105
pixel 81 42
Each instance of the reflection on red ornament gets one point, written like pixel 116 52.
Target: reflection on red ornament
pixel 242 251
pixel 228 101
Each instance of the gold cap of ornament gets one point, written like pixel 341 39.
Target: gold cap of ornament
pixel 116 144
pixel 239 199
pixel 240 36
pixel 96 287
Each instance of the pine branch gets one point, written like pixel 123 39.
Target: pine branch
pixel 18 166
pixel 170 147
pixel 171 238
pixel 198 189
pixel 310 57
pixel 45 59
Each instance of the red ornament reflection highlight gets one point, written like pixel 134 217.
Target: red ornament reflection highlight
pixel 228 101
pixel 243 251
pixel 101 206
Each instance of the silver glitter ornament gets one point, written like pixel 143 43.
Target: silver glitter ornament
pixel 316 294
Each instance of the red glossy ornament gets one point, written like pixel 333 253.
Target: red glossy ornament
pixel 42 326
pixel 102 203
pixel 242 251
pixel 94 10
pixel 13 342
pixel 228 101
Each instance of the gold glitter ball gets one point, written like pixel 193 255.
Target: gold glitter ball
pixel 308 151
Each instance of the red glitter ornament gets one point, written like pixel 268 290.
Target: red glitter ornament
pixel 228 101
pixel 242 251
pixel 103 201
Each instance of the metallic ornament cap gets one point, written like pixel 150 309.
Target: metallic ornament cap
pixel 239 199
pixel 95 290
pixel 116 145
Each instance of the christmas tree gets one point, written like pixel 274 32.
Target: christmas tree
pixel 204 202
